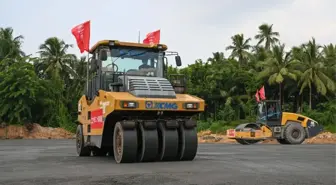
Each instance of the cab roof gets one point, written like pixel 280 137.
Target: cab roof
pixel 127 44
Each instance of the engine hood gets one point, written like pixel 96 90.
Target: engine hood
pixel 149 87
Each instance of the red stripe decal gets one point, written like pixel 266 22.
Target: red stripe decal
pixel 97 119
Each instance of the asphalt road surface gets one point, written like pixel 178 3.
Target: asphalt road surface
pixel 52 162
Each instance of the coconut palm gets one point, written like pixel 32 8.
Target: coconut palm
pixel 54 58
pixel 314 71
pixel 218 57
pixel 240 48
pixel 267 35
pixel 277 67
pixel 10 46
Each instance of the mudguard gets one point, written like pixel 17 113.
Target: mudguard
pixel 313 128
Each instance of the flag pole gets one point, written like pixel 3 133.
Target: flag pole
pixel 87 74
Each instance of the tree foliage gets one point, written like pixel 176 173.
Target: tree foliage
pixel 46 89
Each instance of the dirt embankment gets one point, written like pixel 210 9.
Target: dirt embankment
pixel 208 137
pixel 35 131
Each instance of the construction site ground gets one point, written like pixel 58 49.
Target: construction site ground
pixel 48 156
pixel 54 161
pixel 39 132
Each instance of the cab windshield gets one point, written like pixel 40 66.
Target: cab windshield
pixel 134 61
pixel 268 111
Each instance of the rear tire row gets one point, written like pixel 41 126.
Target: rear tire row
pixel 157 142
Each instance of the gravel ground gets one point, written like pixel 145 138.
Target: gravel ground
pixel 36 162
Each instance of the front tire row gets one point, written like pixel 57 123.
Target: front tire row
pixel 146 142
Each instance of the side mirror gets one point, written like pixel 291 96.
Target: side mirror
pixel 178 60
pixel 103 55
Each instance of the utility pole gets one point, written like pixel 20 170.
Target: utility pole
pixel 139 37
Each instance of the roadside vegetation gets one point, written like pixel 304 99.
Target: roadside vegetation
pixel 46 89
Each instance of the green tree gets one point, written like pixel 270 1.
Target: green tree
pixel 267 35
pixel 277 67
pixel 314 71
pixel 10 45
pixel 54 58
pixel 239 48
pixel 18 88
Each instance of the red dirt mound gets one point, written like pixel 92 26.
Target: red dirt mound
pixel 36 132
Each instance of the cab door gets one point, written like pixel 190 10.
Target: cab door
pixel 273 113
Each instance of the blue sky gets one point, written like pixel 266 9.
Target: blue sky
pixel 193 28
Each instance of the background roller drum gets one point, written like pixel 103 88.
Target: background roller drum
pixel 251 127
pixel 247 141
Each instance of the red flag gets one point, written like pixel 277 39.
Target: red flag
pixel 257 96
pixel 152 38
pixel 262 93
pixel 82 35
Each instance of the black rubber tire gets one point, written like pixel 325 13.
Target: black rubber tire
pixel 282 141
pixel 290 128
pixel 128 144
pixel 148 144
pixel 168 143
pixel 81 149
pixel 110 152
pixel 99 151
pixel 188 144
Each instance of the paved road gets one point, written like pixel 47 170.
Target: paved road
pixel 36 162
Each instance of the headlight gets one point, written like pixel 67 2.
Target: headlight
pixel 129 104
pixel 159 46
pixel 191 105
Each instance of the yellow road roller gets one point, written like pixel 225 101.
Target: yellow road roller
pixel 132 109
pixel 272 123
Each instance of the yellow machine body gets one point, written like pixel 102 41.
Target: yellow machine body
pixel 133 110
pixel 109 102
pixel 287 128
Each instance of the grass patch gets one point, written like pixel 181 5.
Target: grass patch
pixel 330 128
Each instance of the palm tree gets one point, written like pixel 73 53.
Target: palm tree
pixel 240 48
pixel 10 46
pixel 277 67
pixel 54 58
pixel 257 54
pixel 329 53
pixel 314 71
pixel 218 57
pixel 267 35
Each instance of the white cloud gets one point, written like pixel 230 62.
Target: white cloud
pixel 193 28
pixel 301 21
pixel 296 21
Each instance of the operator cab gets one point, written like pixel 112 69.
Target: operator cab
pixel 269 112
pixel 112 61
